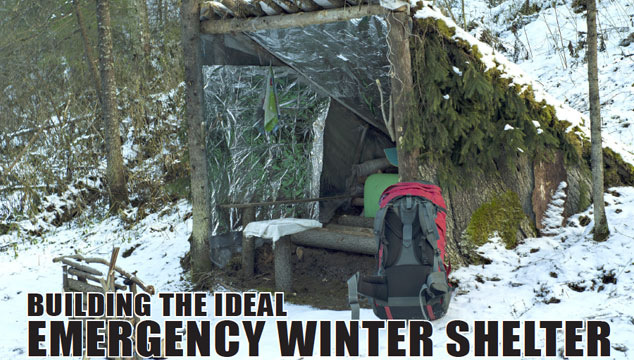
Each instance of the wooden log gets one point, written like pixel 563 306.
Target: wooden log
pixel 371 166
pixel 80 286
pixel 358 221
pixel 288 6
pixel 299 19
pixel 283 273
pixel 79 266
pixel 255 9
pixel 84 275
pixel 248 244
pixel 215 10
pixel 352 241
pixel 238 8
pixel 402 90
pixel 334 4
pixel 307 5
pixel 270 7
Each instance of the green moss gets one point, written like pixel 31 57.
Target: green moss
pixel 616 172
pixel 503 214
pixel 585 196
pixel 462 109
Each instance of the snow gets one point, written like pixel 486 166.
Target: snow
pixel 276 228
pixel 538 280
pixel 621 141
pixel 508 127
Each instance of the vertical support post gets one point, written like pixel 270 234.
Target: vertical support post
pixel 248 244
pixel 194 103
pixel 402 90
pixel 65 278
pixel 283 274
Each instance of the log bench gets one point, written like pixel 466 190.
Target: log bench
pixel 351 234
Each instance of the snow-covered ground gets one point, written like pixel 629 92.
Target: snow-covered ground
pixel 566 276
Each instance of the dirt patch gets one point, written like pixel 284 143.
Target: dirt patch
pixel 319 277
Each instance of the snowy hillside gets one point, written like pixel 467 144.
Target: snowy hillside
pixel 549 45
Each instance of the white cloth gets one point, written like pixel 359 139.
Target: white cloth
pixel 275 229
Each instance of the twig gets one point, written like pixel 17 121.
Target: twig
pixel 389 121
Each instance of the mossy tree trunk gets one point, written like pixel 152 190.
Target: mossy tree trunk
pixel 115 171
pixel 201 207
pixel 601 230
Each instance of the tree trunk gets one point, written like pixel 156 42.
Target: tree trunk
pixel 161 22
pixel 141 6
pixel 402 90
pixel 115 174
pixel 201 207
pixel 90 57
pixel 601 230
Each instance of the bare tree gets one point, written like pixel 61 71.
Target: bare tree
pixel 192 58
pixel 141 6
pixel 115 174
pixel 90 58
pixel 601 230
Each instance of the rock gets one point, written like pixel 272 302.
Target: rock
pixel 627 41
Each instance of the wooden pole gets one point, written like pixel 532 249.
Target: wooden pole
pixel 336 238
pixel 248 244
pixel 281 202
pixel 402 90
pixel 283 21
pixel 197 145
pixel 283 273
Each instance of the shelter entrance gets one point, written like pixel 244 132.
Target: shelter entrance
pixel 332 83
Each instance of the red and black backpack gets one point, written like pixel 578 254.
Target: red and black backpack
pixel 411 280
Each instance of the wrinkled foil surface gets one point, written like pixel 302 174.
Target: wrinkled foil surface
pixel 343 58
pixel 248 164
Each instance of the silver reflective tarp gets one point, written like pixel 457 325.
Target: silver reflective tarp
pixel 339 60
pixel 248 164
pixel 343 58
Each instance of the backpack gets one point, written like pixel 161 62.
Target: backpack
pixel 411 280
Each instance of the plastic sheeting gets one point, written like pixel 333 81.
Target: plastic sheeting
pixel 343 58
pixel 246 163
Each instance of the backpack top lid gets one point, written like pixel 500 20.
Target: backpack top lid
pixel 428 191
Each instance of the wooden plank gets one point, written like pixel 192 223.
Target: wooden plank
pixel 284 21
pixel 80 286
